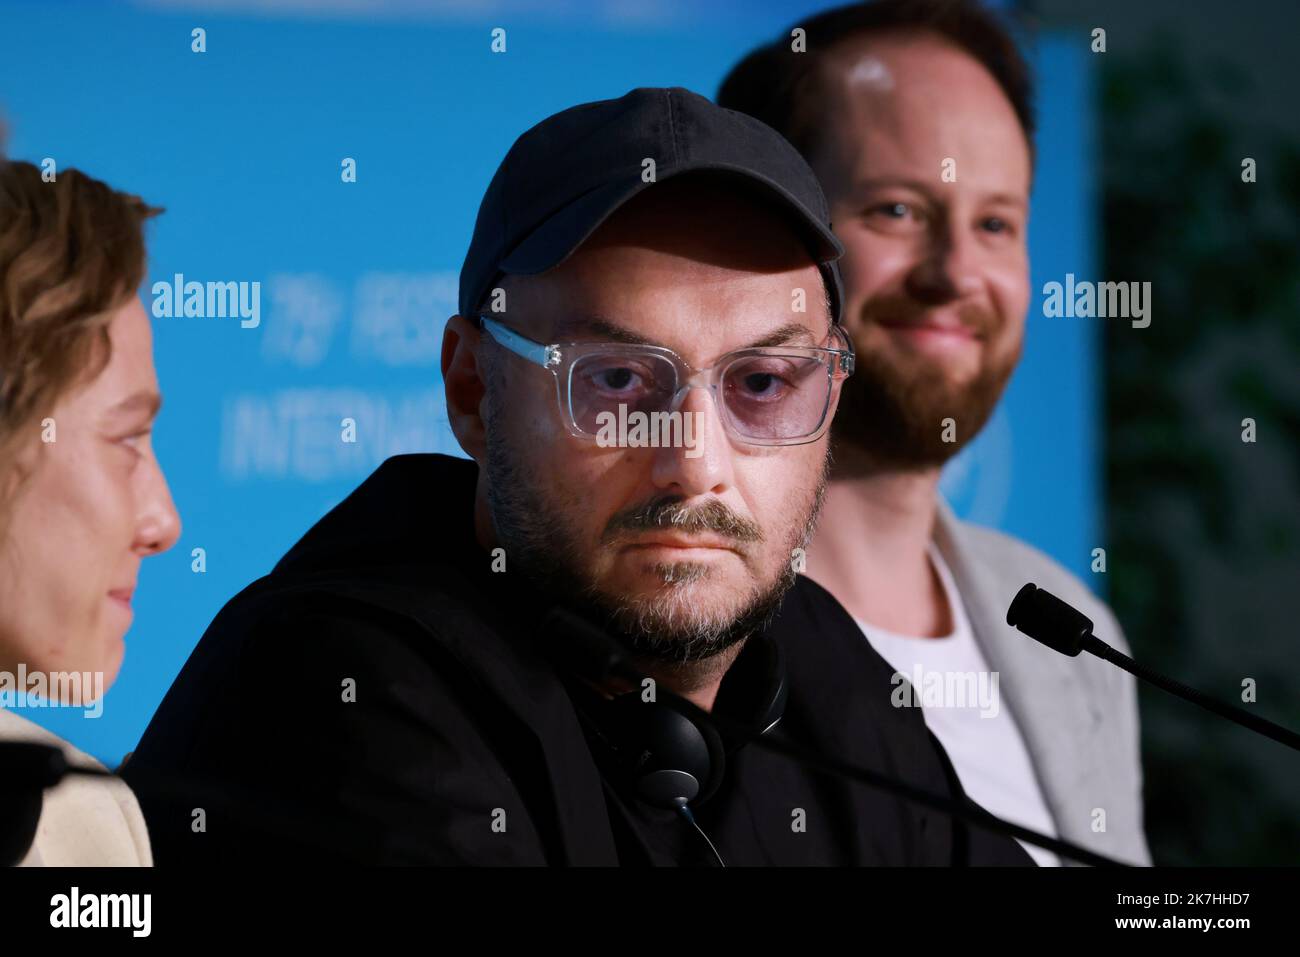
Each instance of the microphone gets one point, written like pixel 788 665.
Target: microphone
pixel 576 643
pixel 1057 624
pixel 27 769
pixel 20 810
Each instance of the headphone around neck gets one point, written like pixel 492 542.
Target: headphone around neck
pixel 667 755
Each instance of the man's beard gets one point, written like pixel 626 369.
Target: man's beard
pixel 660 627
pixel 894 410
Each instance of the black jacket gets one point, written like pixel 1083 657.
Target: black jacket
pixel 462 744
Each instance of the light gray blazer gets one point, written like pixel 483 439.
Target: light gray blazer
pixel 1078 716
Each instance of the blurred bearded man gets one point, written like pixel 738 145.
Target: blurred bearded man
pixel 885 99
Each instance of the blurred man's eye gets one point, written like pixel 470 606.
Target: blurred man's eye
pixel 892 210
pixel 1002 226
pixel 895 215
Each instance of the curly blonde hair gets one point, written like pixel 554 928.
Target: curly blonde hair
pixel 71 252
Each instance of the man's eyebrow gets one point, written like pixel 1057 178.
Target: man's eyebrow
pixel 863 186
pixel 600 327
pixel 146 400
pixel 782 336
pixel 1008 199
pixel 575 327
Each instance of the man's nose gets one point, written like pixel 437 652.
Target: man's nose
pixel 702 462
pixel 949 267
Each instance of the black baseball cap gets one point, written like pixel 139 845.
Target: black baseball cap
pixel 569 173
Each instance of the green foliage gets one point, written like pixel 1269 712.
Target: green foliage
pixel 1203 528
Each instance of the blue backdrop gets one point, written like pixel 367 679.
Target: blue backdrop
pixel 243 144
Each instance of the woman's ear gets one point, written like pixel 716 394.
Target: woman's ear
pixel 465 386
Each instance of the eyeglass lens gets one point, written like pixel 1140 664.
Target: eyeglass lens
pixel 764 397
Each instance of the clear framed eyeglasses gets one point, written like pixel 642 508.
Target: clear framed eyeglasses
pixel 774 395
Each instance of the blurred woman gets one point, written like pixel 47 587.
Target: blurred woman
pixel 82 499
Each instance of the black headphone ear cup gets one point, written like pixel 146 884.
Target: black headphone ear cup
pixel 717 752
pixel 669 757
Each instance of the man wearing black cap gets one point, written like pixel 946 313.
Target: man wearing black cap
pixel 561 651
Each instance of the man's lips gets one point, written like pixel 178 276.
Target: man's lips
pixel 957 330
pixel 122 595
pixel 682 541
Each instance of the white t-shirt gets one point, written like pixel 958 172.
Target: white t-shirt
pixel 961 702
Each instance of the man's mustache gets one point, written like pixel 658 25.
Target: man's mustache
pixel 711 516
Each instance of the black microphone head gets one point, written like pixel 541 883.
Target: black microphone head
pixel 20 814
pixel 41 765
pixel 26 770
pixel 1045 618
